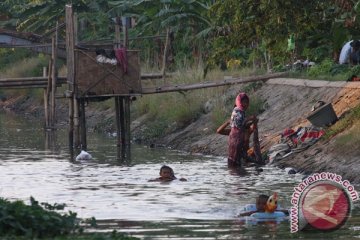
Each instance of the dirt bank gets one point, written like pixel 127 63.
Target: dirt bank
pixel 286 107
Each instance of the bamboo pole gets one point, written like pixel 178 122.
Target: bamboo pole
pixel 125 110
pixel 46 99
pixel 54 77
pixel 118 99
pixel 118 123
pixel 76 102
pixel 122 124
pixel 178 88
pixel 83 124
pixel 127 126
pixel 70 71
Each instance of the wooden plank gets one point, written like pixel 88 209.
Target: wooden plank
pixel 178 88
pixel 61 79
pixel 26 85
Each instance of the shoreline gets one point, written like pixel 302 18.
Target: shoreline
pixel 287 107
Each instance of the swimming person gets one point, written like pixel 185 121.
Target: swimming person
pixel 261 201
pixel 265 204
pixel 166 175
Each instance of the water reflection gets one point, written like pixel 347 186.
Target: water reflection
pixel 118 193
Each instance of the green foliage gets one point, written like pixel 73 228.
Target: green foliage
pixel 321 69
pixel 10 55
pixel 19 221
pixel 167 112
pixel 35 220
pixel 219 114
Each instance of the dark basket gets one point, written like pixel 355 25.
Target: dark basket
pixel 323 116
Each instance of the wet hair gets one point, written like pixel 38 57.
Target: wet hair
pixel 263 197
pixel 244 97
pixel 99 51
pixel 355 44
pixel 169 168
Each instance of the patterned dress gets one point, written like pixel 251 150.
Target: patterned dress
pixel 236 149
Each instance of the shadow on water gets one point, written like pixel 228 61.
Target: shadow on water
pixel 118 194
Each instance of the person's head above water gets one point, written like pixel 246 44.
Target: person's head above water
pixel 167 173
pixel 261 201
pixel 242 101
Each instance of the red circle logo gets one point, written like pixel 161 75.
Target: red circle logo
pixel 325 206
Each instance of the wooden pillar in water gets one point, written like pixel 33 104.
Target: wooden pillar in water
pixel 76 101
pixel 83 124
pixel 118 131
pixel 122 104
pixel 118 99
pixel 127 126
pixel 53 78
pixel 70 63
pixel 125 110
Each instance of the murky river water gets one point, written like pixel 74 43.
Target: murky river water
pixel 120 197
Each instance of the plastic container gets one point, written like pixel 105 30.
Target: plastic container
pixel 323 116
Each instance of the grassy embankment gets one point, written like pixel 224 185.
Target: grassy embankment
pixel 167 112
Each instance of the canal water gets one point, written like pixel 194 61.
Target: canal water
pixel 118 194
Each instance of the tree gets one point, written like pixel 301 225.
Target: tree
pixel 269 24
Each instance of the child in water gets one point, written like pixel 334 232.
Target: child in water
pixel 260 205
pixel 261 202
pixel 166 175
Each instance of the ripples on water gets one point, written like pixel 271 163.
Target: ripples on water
pixel 119 195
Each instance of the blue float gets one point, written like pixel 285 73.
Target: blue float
pixel 277 215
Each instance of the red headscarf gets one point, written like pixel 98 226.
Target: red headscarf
pixel 241 97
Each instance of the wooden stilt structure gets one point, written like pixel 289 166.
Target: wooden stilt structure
pixel 70 63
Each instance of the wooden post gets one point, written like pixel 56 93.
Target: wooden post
pixel 76 102
pixel 118 99
pixel 122 123
pixel 76 122
pixel 125 108
pixel 127 126
pixel 118 125
pixel 46 99
pixel 83 124
pixel 54 77
pixel 70 63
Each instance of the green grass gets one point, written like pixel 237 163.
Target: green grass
pixel 351 121
pixel 168 112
